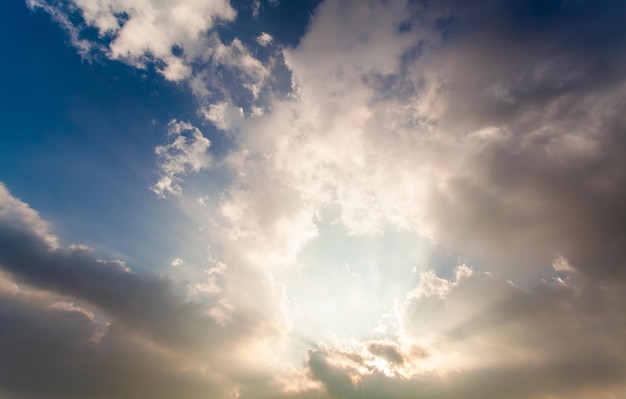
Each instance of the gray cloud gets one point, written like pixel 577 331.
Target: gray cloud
pixel 532 92
pixel 47 353
pixel 494 127
pixel 145 303
pixel 560 340
pixel 389 352
pixel 55 341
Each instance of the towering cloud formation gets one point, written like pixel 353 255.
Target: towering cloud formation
pixel 492 130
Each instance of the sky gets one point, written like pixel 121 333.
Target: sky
pixel 328 199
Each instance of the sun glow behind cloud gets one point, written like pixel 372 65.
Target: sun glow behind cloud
pixel 414 200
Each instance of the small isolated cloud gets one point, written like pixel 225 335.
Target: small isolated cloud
pixel 264 39
pixel 177 262
pixel 186 152
pixel 256 8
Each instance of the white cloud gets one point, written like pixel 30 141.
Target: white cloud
pixel 387 142
pixel 431 285
pixel 73 314
pixel 185 153
pixel 177 262
pixel 150 28
pixel 490 150
pixel 264 39
pixel 62 17
pixel 177 37
pixel 224 116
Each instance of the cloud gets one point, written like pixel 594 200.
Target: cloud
pixel 143 303
pixel 85 327
pixel 58 348
pixel 481 340
pixel 15 211
pixel 540 182
pixel 453 123
pixel 178 39
pixel 224 116
pixel 497 142
pixel 264 39
pixel 185 153
pixel 177 262
pixel 441 119
pixel 494 129
pixel 138 34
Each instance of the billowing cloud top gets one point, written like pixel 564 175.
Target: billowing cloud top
pixel 390 199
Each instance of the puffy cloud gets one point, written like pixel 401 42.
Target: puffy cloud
pixel 177 262
pixel 139 32
pixel 493 128
pixel 454 120
pixel 186 152
pixel 177 38
pixel 486 338
pixel 224 116
pixel 264 39
pixel 457 124
pixel 85 327
pixel 500 143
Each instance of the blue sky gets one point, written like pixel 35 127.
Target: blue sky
pixel 313 199
pixel 79 136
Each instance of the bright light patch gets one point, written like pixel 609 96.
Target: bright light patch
pixel 343 284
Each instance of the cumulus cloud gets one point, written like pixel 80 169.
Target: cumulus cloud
pixel 264 39
pixel 177 262
pixel 497 141
pixel 454 123
pixel 186 152
pixel 486 338
pixel 224 116
pixel 492 128
pixel 178 39
pixel 143 303
pixel 138 33
pixel 85 327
